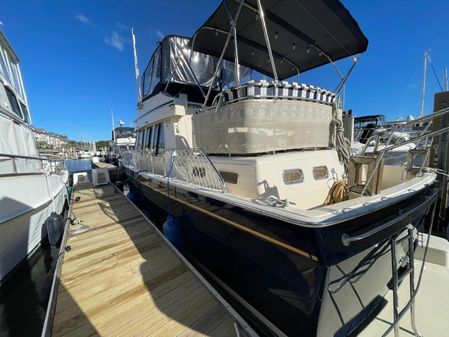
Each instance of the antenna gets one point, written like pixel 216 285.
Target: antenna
pixel 136 68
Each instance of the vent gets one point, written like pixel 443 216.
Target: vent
pixel 230 177
pixel 293 176
pixel 320 172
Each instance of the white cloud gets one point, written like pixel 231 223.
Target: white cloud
pixel 1 24
pixel 115 40
pixel 122 26
pixel 82 18
pixel 411 85
pixel 159 34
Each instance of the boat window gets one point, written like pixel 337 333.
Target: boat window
pixel 15 76
pixel 3 67
pixel 142 144
pixel 230 177
pixel 152 74
pixel 25 112
pixel 155 136
pixel 13 102
pixel 148 135
pixel 161 138
pixel 139 139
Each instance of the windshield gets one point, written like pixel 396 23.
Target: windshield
pixel 124 132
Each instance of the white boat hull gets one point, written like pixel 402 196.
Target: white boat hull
pixel 25 206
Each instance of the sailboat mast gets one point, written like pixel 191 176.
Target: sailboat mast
pixel 113 129
pixel 421 113
pixel 446 83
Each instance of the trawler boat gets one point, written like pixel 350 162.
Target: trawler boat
pixel 123 140
pixel 256 177
pixel 32 188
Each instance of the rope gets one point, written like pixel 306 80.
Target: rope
pixel 337 193
pixel 342 144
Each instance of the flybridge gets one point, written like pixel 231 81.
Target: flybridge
pixel 296 35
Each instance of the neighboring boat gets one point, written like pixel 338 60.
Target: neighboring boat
pixel 123 140
pixel 32 188
pixel 373 134
pixel 85 153
pixel 254 172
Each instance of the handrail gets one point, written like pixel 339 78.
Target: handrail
pixel 22 157
pixel 43 162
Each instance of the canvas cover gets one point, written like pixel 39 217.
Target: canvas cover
pixel 301 33
pixel 254 126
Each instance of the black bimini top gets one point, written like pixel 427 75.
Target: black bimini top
pixel 298 30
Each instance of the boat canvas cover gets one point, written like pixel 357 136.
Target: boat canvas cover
pixel 300 33
pixel 174 62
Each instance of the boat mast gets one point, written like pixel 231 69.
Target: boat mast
pixel 136 68
pixel 421 113
pixel 113 129
pixel 446 83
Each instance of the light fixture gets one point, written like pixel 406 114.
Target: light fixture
pixel 276 35
pixel 308 50
pixel 216 33
pixel 293 46
pixel 252 52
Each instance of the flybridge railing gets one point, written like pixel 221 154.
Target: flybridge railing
pixel 191 166
pixel 15 165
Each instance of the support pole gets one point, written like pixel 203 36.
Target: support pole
pixel 267 39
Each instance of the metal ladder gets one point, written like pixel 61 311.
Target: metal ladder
pixel 398 313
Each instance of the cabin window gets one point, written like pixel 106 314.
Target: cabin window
pixel 3 67
pixel 25 112
pixel 3 70
pixel 142 144
pixel 139 139
pixel 13 102
pixel 148 135
pixel 320 172
pixel 161 138
pixel 293 176
pixel 152 74
pixel 230 177
pixel 155 135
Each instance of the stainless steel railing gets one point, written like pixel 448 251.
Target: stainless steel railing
pixel 188 165
pixel 13 165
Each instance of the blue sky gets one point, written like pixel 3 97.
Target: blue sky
pixel 77 63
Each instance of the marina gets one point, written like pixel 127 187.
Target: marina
pixel 249 194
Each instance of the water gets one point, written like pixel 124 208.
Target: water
pixel 78 165
pixel 24 295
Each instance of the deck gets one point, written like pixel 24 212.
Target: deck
pixel 120 277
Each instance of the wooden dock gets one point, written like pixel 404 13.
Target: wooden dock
pixel 112 169
pixel 122 278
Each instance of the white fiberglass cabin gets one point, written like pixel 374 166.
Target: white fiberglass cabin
pixel 31 187
pixel 258 175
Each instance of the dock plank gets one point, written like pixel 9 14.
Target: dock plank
pixel 121 279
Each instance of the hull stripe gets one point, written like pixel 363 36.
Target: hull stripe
pixel 239 226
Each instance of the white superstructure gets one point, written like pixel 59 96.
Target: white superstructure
pixel 31 187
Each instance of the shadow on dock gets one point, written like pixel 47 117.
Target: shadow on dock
pixel 121 278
